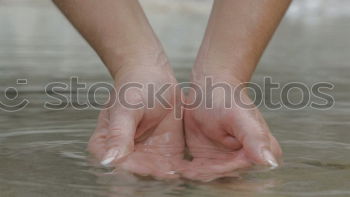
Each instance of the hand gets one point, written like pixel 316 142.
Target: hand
pixel 146 141
pixel 223 140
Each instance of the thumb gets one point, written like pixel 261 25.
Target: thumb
pixel 121 133
pixel 252 131
pixel 258 148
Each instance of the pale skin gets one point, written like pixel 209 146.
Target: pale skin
pixel 225 140
pixel 152 141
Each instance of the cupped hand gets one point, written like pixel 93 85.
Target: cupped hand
pixel 223 140
pixel 145 140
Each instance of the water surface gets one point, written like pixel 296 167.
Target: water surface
pixel 42 152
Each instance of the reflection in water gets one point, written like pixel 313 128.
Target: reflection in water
pixel 123 184
pixel 42 152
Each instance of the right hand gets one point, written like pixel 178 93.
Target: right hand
pixel 145 141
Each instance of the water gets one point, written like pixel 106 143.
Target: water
pixel 42 152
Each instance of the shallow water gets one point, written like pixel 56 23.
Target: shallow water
pixel 42 152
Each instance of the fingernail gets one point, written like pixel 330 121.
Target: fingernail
pixel 269 158
pixel 171 172
pixel 110 156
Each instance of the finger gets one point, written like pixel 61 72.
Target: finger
pixel 121 133
pixel 231 142
pixel 150 165
pixel 276 148
pixel 209 169
pixel 252 131
pixel 97 142
pixel 102 121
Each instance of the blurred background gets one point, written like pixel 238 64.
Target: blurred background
pixel 42 152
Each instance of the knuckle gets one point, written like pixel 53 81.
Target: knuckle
pixel 114 134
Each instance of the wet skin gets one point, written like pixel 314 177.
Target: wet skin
pixel 151 141
pixel 224 140
pixel 145 141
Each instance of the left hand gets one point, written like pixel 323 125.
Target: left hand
pixel 222 141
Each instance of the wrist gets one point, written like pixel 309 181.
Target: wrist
pixel 201 72
pixel 222 62
pixel 142 61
